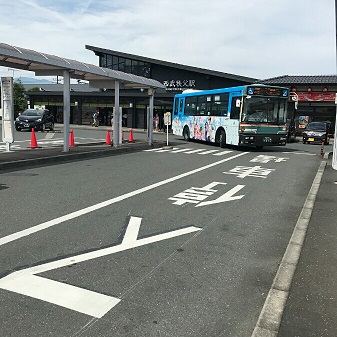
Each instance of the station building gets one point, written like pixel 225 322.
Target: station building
pixel 316 98
pixel 316 94
pixel 134 102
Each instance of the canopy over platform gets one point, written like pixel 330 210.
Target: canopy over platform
pixel 50 65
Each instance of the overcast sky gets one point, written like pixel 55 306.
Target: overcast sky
pixel 254 38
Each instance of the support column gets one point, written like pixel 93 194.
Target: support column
pixel 150 116
pixel 116 119
pixel 66 109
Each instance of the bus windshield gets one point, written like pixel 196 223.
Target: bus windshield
pixel 270 110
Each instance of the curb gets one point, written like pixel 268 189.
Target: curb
pixel 69 156
pixel 328 155
pixel 270 318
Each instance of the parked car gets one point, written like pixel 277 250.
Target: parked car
pixel 291 130
pixel 316 132
pixel 37 119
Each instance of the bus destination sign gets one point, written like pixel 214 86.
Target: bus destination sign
pixel 268 91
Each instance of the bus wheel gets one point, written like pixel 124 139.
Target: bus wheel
pixel 222 139
pixel 186 133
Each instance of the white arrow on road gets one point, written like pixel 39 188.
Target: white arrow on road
pixel 25 281
pixel 228 196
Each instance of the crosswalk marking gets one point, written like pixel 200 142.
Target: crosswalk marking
pixel 12 147
pixel 180 150
pixel 208 152
pixel 190 151
pixel 221 153
pixel 167 150
pixel 194 151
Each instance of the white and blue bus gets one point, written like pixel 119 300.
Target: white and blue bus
pixel 249 115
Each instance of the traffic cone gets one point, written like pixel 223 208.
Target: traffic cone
pixel 130 140
pixel 33 142
pixel 71 138
pixel 107 138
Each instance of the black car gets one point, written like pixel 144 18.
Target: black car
pixel 316 132
pixel 37 119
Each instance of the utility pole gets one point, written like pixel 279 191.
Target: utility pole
pixel 14 70
pixel 334 153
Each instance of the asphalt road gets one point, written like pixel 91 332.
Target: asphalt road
pixel 156 243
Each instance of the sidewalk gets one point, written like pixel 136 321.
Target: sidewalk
pixel 20 159
pixel 311 308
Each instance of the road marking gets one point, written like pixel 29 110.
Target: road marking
pixel 65 295
pixel 194 151
pixel 221 153
pixel 73 215
pixel 190 151
pixel 12 147
pixel 49 135
pixel 181 150
pixel 305 153
pixel 91 303
pixel 209 151
pixel 228 196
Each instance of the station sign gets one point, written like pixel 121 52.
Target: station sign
pixel 7 110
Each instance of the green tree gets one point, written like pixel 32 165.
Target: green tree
pixel 20 100
pixel 34 89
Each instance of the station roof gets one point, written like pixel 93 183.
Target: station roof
pixel 98 50
pixel 301 79
pixel 50 65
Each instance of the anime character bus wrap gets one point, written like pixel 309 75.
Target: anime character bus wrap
pixel 249 115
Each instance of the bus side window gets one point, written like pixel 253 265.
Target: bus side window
pixel 181 104
pixel 175 111
pixel 235 108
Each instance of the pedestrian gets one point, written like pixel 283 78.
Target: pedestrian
pixel 95 118
pixel 156 122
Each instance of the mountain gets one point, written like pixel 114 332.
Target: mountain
pixel 32 80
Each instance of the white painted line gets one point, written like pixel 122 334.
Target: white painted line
pixel 208 152
pixel 305 153
pixel 221 153
pixel 269 321
pixel 73 215
pixel 132 230
pixel 68 261
pixel 194 151
pixel 50 135
pixel 180 150
pixel 65 295
pixel 166 150
pixel 25 282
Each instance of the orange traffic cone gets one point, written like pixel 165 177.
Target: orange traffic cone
pixel 130 140
pixel 71 138
pixel 33 142
pixel 107 138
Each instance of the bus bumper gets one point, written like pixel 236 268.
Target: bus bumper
pixel 262 140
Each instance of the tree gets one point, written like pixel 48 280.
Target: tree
pixel 20 100
pixel 34 89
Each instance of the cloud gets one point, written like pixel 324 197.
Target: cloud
pixel 256 38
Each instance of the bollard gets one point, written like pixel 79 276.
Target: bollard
pixel 322 149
